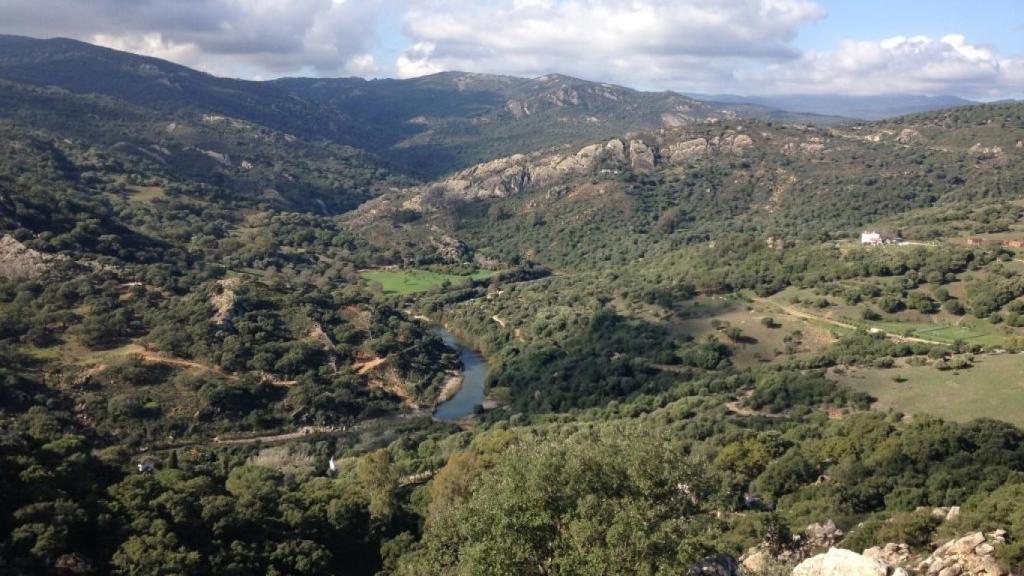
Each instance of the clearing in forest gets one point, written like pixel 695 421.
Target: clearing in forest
pixel 411 281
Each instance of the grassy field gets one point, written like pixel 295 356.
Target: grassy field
pixel 939 327
pixel 993 388
pixel 760 343
pixel 414 280
pixel 146 193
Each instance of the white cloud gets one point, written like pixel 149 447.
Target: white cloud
pixel 744 46
pixel 151 44
pixel 362 65
pixel 417 60
pixel 249 38
pixel 630 41
pixel 915 64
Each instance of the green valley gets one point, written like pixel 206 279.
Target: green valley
pixel 221 305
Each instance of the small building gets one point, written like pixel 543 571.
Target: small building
pixel 875 238
pixel 975 241
pixel 1013 243
pixel 147 465
pixel 332 466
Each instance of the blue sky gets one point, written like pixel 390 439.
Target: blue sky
pixel 996 22
pixel 971 49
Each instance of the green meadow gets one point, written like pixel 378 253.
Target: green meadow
pixel 411 281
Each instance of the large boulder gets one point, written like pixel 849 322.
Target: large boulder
pixel 839 562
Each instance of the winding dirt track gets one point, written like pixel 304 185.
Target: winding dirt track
pixel 792 311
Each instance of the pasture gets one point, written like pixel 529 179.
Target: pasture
pixel 411 281
pixel 992 388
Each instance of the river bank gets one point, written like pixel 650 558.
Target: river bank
pixel 451 387
pixel 462 393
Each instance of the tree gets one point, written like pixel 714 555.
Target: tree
pixel 626 502
pixel 257 489
pixel 380 481
pixel 156 552
pixel 452 485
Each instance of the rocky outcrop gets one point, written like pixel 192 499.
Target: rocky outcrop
pixel 223 300
pixel 760 559
pixel 687 151
pixel 641 156
pixel 510 176
pixel 513 175
pixel 675 119
pixel 812 148
pixel 985 151
pixel 970 555
pixel 19 262
pixel 556 167
pixel 451 249
pixel 909 136
pixel 892 553
pixel 945 513
pixel 840 562
pixel 825 535
pixel 737 144
pixel 616 151
pixel 317 334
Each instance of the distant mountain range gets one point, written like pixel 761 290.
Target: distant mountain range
pixel 854 107
pixel 424 126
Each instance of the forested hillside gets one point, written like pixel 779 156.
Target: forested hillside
pixel 221 302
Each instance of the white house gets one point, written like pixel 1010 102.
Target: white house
pixel 874 238
pixel 871 238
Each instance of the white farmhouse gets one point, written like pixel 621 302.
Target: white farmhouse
pixel 875 238
pixel 871 238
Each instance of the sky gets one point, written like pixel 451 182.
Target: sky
pixel 750 47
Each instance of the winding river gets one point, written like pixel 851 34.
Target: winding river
pixel 474 373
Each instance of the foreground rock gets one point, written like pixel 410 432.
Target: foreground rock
pixel 970 555
pixel 815 537
pixel 840 562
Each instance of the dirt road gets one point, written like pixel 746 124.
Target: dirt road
pixel 798 313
